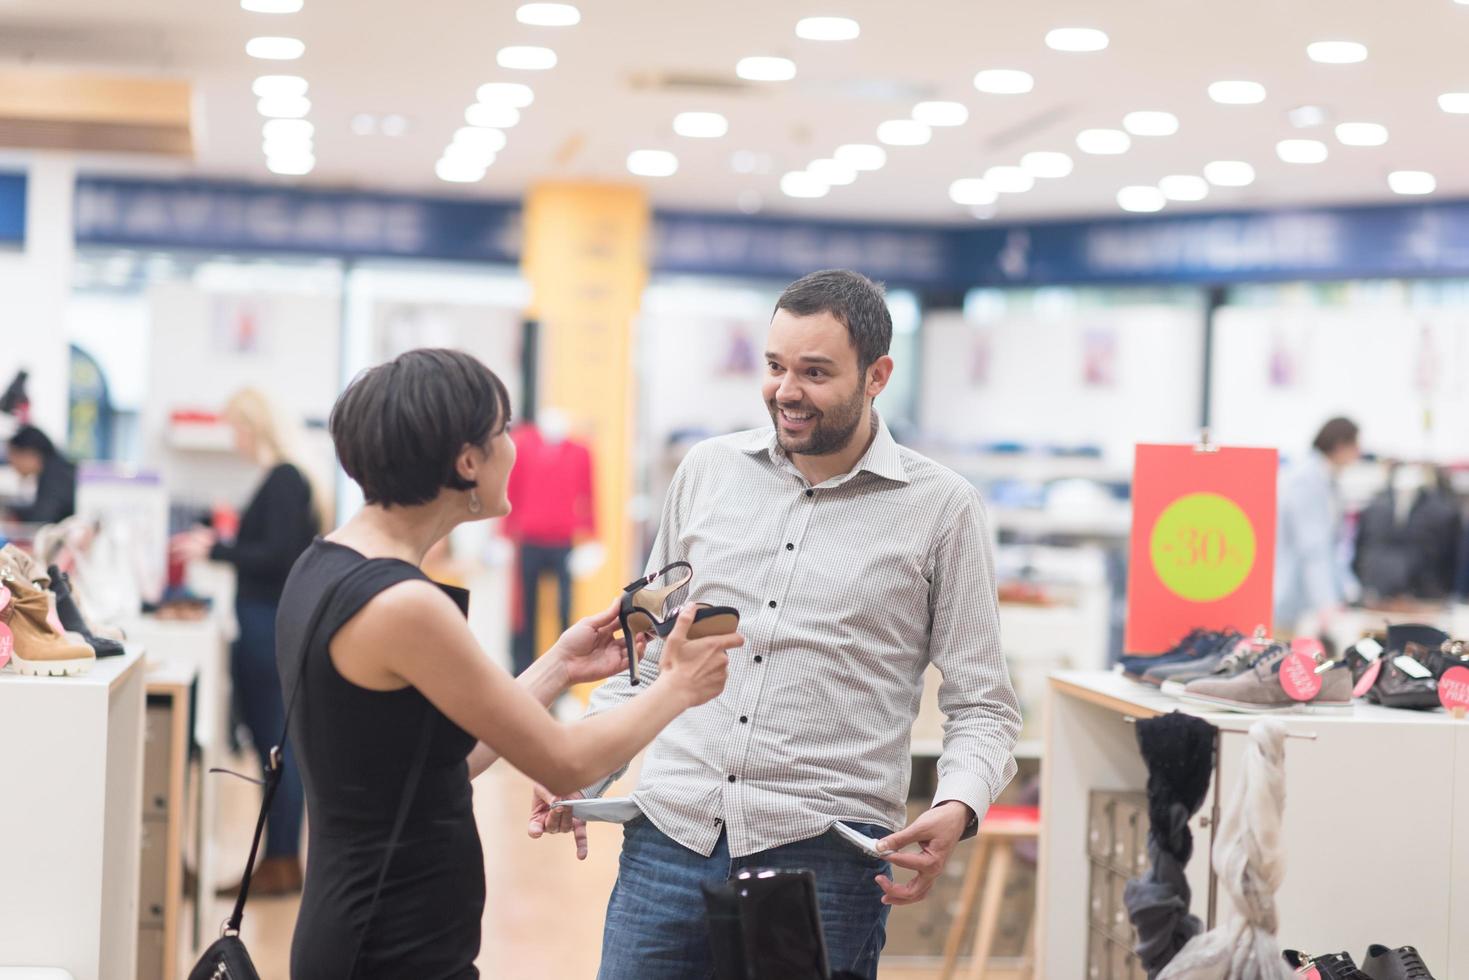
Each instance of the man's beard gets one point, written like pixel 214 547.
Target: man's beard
pixel 832 431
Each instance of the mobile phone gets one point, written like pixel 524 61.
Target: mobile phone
pixel 867 845
pixel 616 809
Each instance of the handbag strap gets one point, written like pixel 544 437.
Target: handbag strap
pixel 272 779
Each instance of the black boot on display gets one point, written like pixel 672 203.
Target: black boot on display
pixel 71 616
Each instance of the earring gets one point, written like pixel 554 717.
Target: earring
pixel 474 505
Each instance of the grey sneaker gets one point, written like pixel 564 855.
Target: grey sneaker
pixel 1257 689
pixel 1235 659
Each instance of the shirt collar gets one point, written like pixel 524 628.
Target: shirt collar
pixel 883 458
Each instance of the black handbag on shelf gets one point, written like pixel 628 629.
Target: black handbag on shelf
pixel 227 958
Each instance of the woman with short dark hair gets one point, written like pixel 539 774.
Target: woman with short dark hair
pixel 393 663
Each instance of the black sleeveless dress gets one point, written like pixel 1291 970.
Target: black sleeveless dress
pixel 355 747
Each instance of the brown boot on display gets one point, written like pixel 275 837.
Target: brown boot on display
pixel 24 566
pixel 39 648
pixel 277 876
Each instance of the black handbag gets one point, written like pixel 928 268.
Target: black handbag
pixel 227 958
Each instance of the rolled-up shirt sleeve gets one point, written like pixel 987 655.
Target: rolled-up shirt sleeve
pixel 981 712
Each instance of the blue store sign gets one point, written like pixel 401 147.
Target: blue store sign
pixel 12 207
pixel 1327 243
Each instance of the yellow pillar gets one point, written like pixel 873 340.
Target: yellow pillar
pixel 585 257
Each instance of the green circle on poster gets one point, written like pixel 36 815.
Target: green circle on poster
pixel 1203 547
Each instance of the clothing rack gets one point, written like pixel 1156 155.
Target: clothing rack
pixel 1216 812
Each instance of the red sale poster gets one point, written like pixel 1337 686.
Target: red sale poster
pixel 1203 543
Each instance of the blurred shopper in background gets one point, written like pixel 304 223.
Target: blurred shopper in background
pixel 33 454
pixel 1313 575
pixel 279 523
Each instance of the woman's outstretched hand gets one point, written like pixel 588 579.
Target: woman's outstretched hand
pixel 593 648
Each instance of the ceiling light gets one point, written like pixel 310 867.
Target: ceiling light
pixel 1004 81
pixel 480 140
pixel 861 156
pixel 1150 123
pixel 1361 134
pixel 827 28
pixel 548 14
pixel 1307 116
pixel 491 116
pixel 469 155
pixel 1301 151
pixel 700 125
pixel 269 85
pixel 1103 142
pixel 903 132
pixel 1009 180
pixel 271 6
pixel 1078 39
pixel 832 172
pixel 798 183
pixel 1143 200
pixel 284 106
pixel 459 171
pixel 275 48
pixel 1184 187
pixel 526 57
pixel 1229 173
pixel 364 124
pixel 652 163
pixel 513 94
pixel 1455 102
pixel 972 192
pixel 286 148
pixel 1047 165
pixel 761 69
pixel 941 113
pixel 1411 182
pixel 1237 93
pixel 394 125
pixel 1336 52
pixel 291 164
pixel 288 129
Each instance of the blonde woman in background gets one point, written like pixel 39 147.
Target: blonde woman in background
pixel 282 519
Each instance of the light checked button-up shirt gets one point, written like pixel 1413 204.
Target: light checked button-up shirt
pixel 847 591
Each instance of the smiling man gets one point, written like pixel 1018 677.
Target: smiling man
pixel 855 563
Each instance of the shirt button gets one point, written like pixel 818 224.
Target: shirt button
pixel 732 779
pixel 772 603
pixel 810 493
pixel 744 719
pixel 759 659
pixel 790 547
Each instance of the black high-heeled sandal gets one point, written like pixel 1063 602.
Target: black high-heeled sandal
pixel 639 600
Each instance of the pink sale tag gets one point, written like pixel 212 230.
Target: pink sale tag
pixel 7 643
pixel 1453 688
pixel 1299 678
pixel 1368 679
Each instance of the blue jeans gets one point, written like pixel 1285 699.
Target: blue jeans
pixel 655 921
pixel 258 693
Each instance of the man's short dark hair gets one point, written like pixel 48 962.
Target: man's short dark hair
pixel 1335 434
pixel 31 438
pixel 856 301
pixel 399 427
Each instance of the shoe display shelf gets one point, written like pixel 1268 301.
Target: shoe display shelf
pixel 71 781
pixel 1376 820
pixel 170 818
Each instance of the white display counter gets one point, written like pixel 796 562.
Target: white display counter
pixel 71 785
pixel 1376 837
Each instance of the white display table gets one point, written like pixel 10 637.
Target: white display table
pixel 71 785
pixel 1376 836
